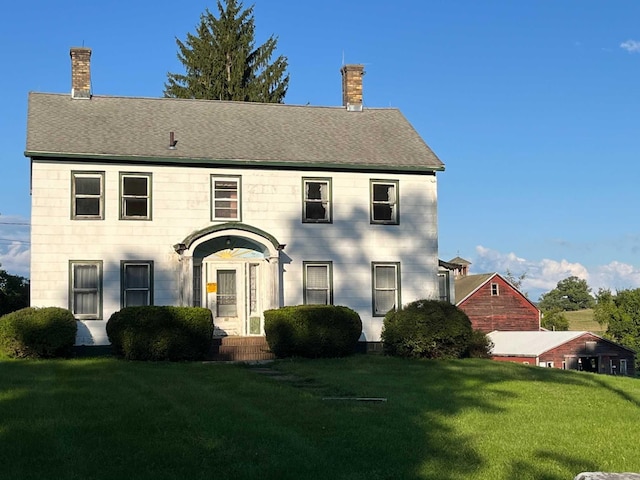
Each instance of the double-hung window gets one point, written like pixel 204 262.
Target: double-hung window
pixel 386 287
pixel 444 287
pixel 316 202
pixel 136 283
pixel 318 284
pixel 225 198
pixel 87 192
pixel 135 196
pixel 384 202
pixel 85 289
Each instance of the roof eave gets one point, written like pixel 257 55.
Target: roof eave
pixel 470 294
pixel 107 158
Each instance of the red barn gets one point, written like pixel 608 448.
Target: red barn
pixel 567 350
pixel 492 303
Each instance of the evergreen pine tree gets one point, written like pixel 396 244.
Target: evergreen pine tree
pixel 221 62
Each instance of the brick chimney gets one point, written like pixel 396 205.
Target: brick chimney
pixel 80 72
pixel 352 87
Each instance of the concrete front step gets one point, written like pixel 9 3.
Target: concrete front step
pixel 240 349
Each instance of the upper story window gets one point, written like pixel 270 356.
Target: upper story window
pixel 225 195
pixel 135 196
pixel 316 204
pixel 495 289
pixel 384 202
pixel 136 283
pixel 87 191
pixel 386 287
pixel 85 289
pixel 318 283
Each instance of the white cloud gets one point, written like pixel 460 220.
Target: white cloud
pixel 631 46
pixel 615 276
pixel 15 259
pixel 15 252
pixel 550 272
pixel 544 275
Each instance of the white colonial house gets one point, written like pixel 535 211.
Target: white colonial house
pixel 237 207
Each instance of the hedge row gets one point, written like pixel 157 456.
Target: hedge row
pixel 161 333
pixel 432 329
pixel 37 332
pixel 421 329
pixel 312 331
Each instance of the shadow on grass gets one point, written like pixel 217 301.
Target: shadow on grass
pixel 617 391
pixel 104 418
pixel 546 460
pixel 417 425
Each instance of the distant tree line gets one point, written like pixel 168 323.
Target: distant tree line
pixel 14 292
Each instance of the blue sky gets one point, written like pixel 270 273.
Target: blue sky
pixel 532 106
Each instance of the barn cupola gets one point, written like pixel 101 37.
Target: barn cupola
pixel 352 87
pixel 80 72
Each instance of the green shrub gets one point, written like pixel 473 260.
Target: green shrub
pixel 38 332
pixel 480 345
pixel 312 331
pixel 427 329
pixel 161 333
pixel 554 319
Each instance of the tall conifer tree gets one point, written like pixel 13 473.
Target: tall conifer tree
pixel 221 62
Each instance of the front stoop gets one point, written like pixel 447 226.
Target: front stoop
pixel 240 349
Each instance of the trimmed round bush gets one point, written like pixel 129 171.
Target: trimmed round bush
pixel 312 331
pixel 427 329
pixel 38 332
pixel 161 333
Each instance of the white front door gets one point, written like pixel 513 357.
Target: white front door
pixel 232 291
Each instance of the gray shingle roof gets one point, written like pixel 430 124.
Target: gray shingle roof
pixel 224 132
pixel 468 284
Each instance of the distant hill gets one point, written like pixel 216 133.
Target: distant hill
pixel 583 320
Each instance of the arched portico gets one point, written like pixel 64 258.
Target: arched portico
pixel 234 270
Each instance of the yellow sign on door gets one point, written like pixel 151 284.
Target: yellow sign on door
pixel 212 287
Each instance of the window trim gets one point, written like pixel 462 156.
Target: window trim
pixel 99 294
pixel 148 196
pixel 84 174
pixel 495 289
pixel 329 289
pixel 238 180
pixel 446 276
pixel 236 295
pixel 329 202
pixel 398 295
pixel 396 211
pixel 625 370
pixel 123 289
pixel 197 283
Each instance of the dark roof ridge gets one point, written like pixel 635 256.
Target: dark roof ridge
pixel 232 102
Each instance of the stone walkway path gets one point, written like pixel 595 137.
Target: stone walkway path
pixel 306 383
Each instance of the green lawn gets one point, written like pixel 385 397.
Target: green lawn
pixel 582 320
pixel 468 419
